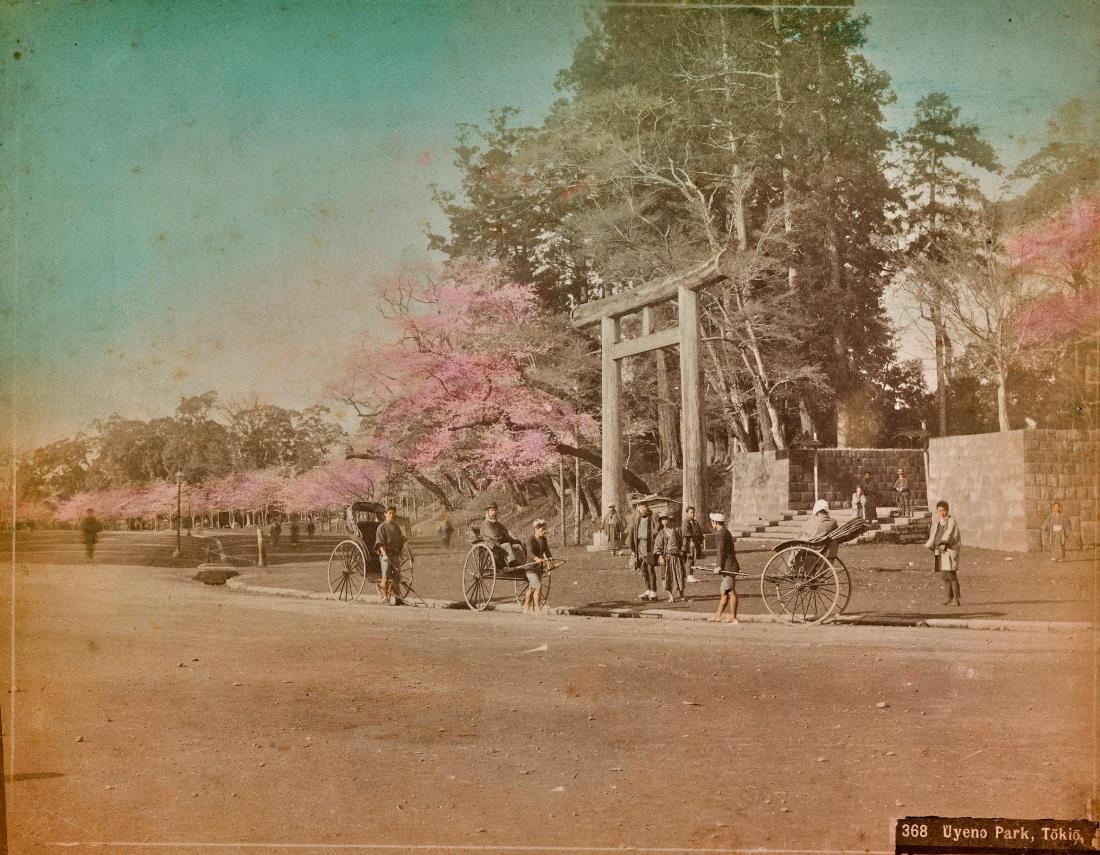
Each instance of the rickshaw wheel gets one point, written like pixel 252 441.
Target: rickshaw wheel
pixel 347 571
pixel 845 581
pixel 544 588
pixel 479 576
pixel 800 585
pixel 405 590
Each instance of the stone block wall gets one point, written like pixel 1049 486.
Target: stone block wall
pixel 839 469
pixel 1000 485
pixel 761 485
pixel 1061 465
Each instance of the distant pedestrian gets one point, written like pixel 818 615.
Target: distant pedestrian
pixel 871 494
pixel 276 534
pixel 727 567
pixel 90 528
pixel 538 551
pixel 1057 532
pixel 902 491
pixel 294 531
pixel 669 547
pixel 693 542
pixel 859 502
pixel 613 529
pixel 311 529
pixel 945 541
pixel 446 529
pixel 643 532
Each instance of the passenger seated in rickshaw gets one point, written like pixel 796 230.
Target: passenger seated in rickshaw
pixel 505 547
pixel 820 524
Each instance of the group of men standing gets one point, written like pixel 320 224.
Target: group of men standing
pixel 658 547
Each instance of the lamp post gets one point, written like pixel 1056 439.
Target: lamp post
pixel 179 516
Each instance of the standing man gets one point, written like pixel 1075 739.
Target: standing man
pixel 497 535
pixel 91 528
pixel 669 547
pixel 945 541
pixel 727 567
pixel 871 495
pixel 643 534
pixel 613 528
pixel 693 540
pixel 389 540
pixel 539 550
pixel 902 489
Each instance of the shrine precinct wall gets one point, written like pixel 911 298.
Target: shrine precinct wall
pixel 769 483
pixel 1000 485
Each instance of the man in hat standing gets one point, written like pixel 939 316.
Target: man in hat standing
pixel 669 547
pixel 727 567
pixel 494 531
pixel 613 529
pixel 643 533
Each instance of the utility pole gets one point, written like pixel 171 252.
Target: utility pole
pixel 561 495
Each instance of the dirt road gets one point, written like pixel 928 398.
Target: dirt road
pixel 150 710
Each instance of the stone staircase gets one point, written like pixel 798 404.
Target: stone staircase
pixel 787 526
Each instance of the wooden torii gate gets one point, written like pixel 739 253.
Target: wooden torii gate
pixel 608 313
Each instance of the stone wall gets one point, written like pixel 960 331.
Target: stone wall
pixel 1000 485
pixel 761 485
pixel 839 469
pixel 1061 465
pixel 768 483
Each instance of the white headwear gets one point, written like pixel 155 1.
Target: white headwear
pixel 820 505
pixel 718 517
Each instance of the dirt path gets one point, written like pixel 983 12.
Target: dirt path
pixel 152 710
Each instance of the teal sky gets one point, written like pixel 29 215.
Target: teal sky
pixel 199 194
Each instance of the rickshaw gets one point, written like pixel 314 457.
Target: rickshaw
pixel 801 583
pixel 485 564
pixel 355 561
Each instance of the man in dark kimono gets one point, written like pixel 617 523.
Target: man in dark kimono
pixel 90 527
pixel 496 534
pixel 693 540
pixel 643 534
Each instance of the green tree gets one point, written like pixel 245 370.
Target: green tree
pixel 54 471
pixel 942 199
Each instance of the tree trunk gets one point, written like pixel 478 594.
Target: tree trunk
pixel 1002 401
pixel 515 493
pixel 593 504
pixel 629 478
pixel 785 172
pixel 805 419
pixel 668 421
pixel 549 487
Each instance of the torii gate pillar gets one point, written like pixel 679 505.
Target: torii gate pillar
pixel 611 393
pixel 691 392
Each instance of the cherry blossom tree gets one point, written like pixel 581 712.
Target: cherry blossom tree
pixel 1064 247
pixel 453 386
